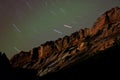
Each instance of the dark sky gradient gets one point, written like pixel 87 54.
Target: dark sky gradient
pixel 25 24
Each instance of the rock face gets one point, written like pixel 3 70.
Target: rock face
pixel 54 56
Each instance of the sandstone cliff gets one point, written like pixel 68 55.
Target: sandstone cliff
pixel 62 53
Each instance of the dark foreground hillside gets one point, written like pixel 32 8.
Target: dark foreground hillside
pixel 106 64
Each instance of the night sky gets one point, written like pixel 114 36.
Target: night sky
pixel 25 24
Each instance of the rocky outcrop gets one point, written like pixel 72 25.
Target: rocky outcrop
pixel 62 53
pixel 110 17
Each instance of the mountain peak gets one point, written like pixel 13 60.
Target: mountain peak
pixel 109 17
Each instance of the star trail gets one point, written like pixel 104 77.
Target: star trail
pixel 27 23
pixel 67 26
pixel 16 49
pixel 17 29
pixel 57 31
pixel 28 5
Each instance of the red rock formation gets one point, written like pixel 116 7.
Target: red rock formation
pixel 55 55
pixel 110 17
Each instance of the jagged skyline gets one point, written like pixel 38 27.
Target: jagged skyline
pixel 86 45
pixel 26 23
